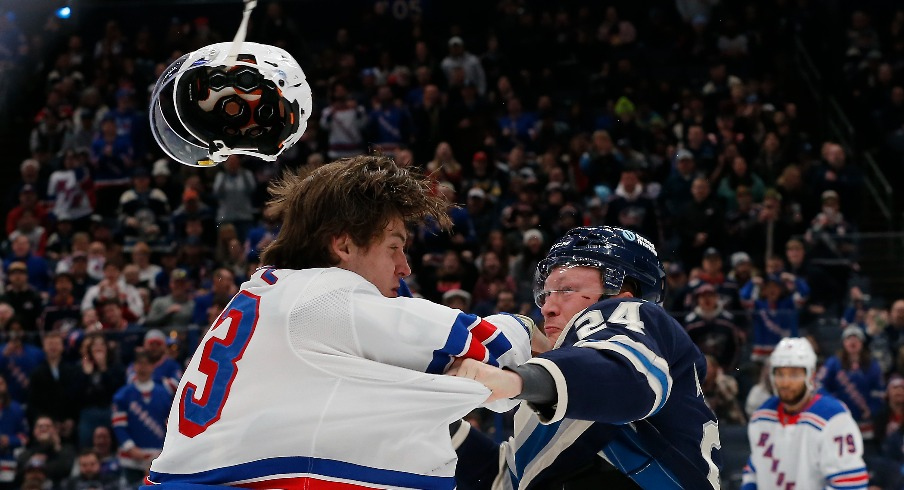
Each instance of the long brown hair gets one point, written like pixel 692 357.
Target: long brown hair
pixel 358 196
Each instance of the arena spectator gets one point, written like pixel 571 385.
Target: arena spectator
pixel 854 377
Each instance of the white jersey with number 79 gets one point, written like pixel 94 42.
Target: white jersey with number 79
pixel 816 448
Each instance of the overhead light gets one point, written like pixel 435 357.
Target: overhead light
pixel 64 12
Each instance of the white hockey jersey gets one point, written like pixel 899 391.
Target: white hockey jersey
pixel 819 447
pixel 313 379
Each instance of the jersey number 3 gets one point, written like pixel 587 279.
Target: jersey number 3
pixel 199 409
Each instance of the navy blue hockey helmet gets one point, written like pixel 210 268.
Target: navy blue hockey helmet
pixel 619 254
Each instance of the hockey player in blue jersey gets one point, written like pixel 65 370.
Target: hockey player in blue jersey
pixel 616 403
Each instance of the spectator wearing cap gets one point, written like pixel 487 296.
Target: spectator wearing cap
pixel 100 375
pixel 25 299
pixel 829 238
pixel 110 287
pixel 700 224
pixel 126 335
pixel 144 212
pixel 487 176
pixel 78 271
pixel 482 213
pixel 677 287
pixel 459 58
pixel 192 208
pixel 714 330
pixel 458 299
pixel 630 208
pixel 167 371
pixel 53 387
pixel 46 452
pixel 773 313
pixel 140 432
pixel 233 187
pixel 62 313
pixel 175 309
pixel 854 377
pixel 13 434
pixel 72 191
pixel 161 177
pixel 28 199
pixel 676 190
pixel 595 212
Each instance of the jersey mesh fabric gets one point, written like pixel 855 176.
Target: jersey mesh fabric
pixel 309 329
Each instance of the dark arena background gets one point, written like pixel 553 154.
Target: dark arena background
pixel 753 142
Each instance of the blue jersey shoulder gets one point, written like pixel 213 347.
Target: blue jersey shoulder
pixel 826 407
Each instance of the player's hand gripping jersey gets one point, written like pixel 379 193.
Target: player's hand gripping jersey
pixel 633 347
pixel 305 373
pixel 816 448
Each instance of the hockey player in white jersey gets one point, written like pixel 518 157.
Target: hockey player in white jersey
pixel 800 439
pixel 316 375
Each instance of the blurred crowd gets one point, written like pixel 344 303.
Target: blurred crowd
pixel 670 119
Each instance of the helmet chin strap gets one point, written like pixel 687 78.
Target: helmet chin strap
pixel 242 30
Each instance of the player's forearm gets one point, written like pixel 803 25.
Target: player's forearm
pixel 538 386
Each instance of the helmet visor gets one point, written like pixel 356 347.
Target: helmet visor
pixel 166 125
pixel 548 284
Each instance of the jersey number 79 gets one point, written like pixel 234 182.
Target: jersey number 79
pixel 199 409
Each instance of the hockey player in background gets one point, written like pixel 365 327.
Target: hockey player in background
pixel 800 439
pixel 317 375
pixel 617 403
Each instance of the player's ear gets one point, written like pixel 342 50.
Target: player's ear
pixel 342 246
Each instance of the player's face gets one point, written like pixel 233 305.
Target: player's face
pixel 384 262
pixel 790 384
pixel 570 291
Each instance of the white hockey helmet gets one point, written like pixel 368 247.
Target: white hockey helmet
pixel 793 352
pixel 225 99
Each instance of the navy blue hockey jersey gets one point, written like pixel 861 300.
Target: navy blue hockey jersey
pixel 628 382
